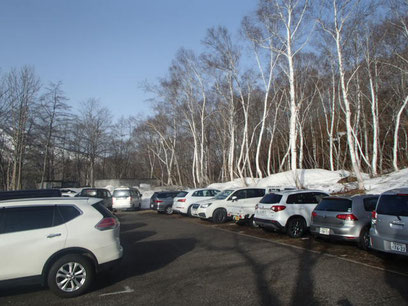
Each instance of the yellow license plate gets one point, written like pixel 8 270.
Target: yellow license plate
pixel 237 218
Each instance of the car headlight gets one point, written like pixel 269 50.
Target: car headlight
pixel 205 205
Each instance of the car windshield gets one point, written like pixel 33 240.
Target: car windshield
pixel 121 193
pixel 181 194
pixel 223 194
pixel 331 204
pixel 395 205
pixel 271 198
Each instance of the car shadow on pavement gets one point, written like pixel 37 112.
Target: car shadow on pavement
pixel 145 257
pixel 397 281
pixel 127 227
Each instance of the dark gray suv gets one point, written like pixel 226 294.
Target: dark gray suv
pixel 389 225
pixel 162 201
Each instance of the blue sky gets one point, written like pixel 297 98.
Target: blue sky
pixel 105 48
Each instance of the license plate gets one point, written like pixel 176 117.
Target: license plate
pixel 237 218
pixel 399 247
pixel 324 231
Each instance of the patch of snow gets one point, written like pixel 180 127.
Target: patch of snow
pixel 386 182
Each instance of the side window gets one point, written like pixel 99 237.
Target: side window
pixel 255 193
pixel 369 203
pixel 310 198
pixel 213 192
pixel 295 199
pixel 198 193
pixel 240 194
pixel 68 213
pixel 27 218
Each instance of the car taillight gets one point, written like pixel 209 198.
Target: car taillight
pixel 314 214
pixel 373 217
pixel 107 223
pixel 277 208
pixel 181 200
pixel 347 217
pixel 256 206
pixel 158 201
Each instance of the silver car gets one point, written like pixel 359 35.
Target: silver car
pixel 389 229
pixel 345 218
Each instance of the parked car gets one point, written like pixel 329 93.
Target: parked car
pixel 215 209
pixel 34 193
pixel 62 242
pixel 185 199
pixel 100 193
pixel 162 201
pixel 389 225
pixel 347 218
pixel 289 210
pixel 126 198
pixel 242 212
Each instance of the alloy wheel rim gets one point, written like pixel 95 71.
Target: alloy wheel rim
pixel 70 277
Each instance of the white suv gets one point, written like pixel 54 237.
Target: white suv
pixel 216 208
pixel 59 241
pixel 183 202
pixel 289 211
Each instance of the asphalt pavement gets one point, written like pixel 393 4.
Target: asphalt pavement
pixel 171 260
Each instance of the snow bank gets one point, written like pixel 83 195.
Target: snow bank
pixel 386 182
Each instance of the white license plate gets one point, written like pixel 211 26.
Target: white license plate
pixel 399 247
pixel 324 231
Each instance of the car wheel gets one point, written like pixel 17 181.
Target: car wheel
pixel 252 223
pixel 189 211
pixel 219 215
pixel 71 276
pixel 364 241
pixel 296 227
pixel 169 210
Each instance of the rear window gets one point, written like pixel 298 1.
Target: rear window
pixel 121 193
pixel 103 210
pixel 271 198
pixel 89 193
pixel 343 205
pixel 182 194
pixel 395 205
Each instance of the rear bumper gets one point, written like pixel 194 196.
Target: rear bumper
pixel 110 265
pixel 269 223
pixel 342 233
pixel 381 244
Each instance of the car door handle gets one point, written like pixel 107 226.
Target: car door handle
pixel 54 235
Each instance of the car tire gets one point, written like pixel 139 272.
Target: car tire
pixel 71 276
pixel 189 211
pixel 169 210
pixel 364 239
pixel 296 227
pixel 219 216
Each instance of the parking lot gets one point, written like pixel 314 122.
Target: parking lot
pixel 174 260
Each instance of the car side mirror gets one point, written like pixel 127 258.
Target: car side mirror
pixel 234 198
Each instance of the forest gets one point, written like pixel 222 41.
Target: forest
pixel 304 84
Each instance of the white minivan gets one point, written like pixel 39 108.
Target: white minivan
pixel 126 198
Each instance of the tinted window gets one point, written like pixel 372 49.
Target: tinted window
pixel 181 194
pixel 27 218
pixel 68 212
pixel 271 198
pixel 103 210
pixel 213 192
pixel 396 205
pixel 198 193
pixel 240 194
pixel 370 203
pixel 121 193
pixel 295 199
pixel 332 204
